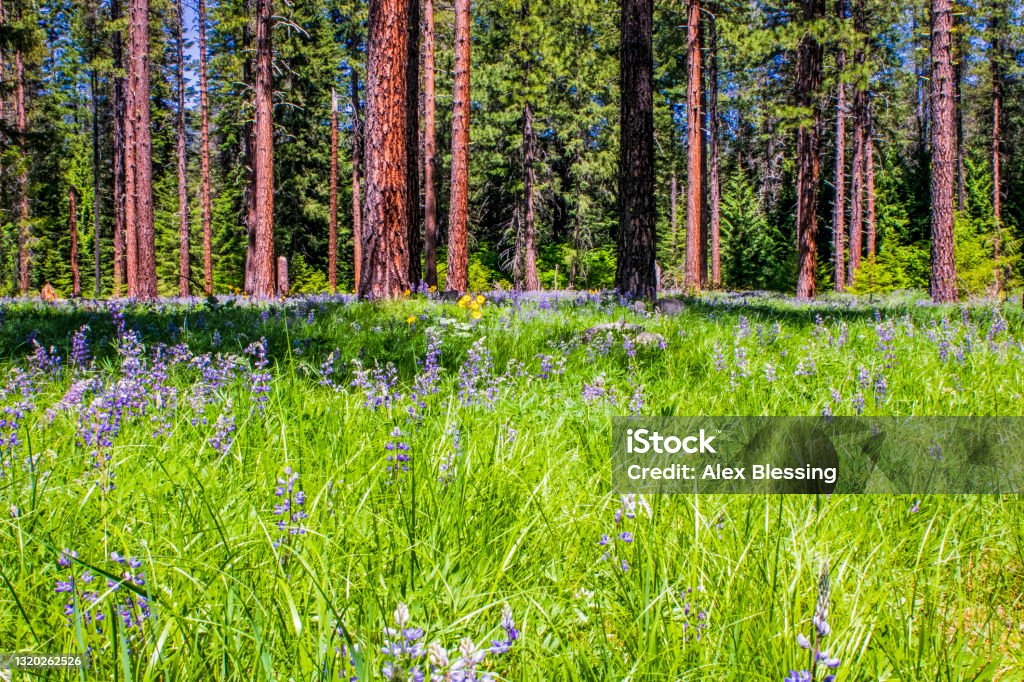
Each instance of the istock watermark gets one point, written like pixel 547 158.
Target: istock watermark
pixel 818 455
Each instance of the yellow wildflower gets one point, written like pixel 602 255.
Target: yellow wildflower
pixel 411 319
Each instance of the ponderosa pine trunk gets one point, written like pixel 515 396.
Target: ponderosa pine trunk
pixel 635 274
pixel 358 137
pixel 714 178
pixel 142 281
pixel 997 68
pixel 839 207
pixel 118 114
pixel 385 270
pixel 183 232
pixel 673 217
pixel 76 281
pixel 429 150
pixel 96 250
pixel 332 226
pixel 412 145
pixel 21 132
pixel 857 162
pixel 458 214
pixel 869 180
pixel 943 170
pixel 959 55
pixel 695 154
pixel 204 158
pixel 528 258
pixel 262 282
pixel 809 65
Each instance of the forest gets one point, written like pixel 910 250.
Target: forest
pixel 185 147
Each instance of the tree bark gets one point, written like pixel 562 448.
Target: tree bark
pixel 119 116
pixel 429 149
pixel 528 258
pixel 358 138
pixel 809 64
pixel 21 130
pixel 857 164
pixel 869 175
pixel 458 215
pixel 332 228
pixel 261 257
pixel 959 55
pixel 204 159
pixel 142 237
pixel 839 207
pixel 714 179
pixel 695 156
pixel 943 268
pixel 385 270
pixel 76 282
pixel 412 145
pixel 183 232
pixel 637 239
pixel 997 68
pixel 97 273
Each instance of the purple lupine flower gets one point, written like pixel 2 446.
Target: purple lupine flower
pixel 223 430
pixel 379 385
pixel 402 649
pixel 398 452
pixel 447 467
pixel 44 360
pixel 80 349
pixel 694 616
pixel 501 646
pixel 595 391
pixel 289 509
pixel 425 383
pixel 477 383
pixel 259 379
pixel 769 372
pixel 636 401
pixel 720 363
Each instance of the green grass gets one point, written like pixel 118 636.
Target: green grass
pixel 932 595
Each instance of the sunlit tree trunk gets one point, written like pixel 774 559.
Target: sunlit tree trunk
pixel 76 282
pixel 997 67
pixel 809 64
pixel 695 155
pixel 119 114
pixel 429 149
pixel 183 231
pixel 21 132
pixel 869 179
pixel 528 257
pixel 261 256
pixel 943 268
pixel 385 270
pixel 714 178
pixel 839 207
pixel 637 239
pixel 96 251
pixel 139 166
pixel 204 159
pixel 412 144
pixel 332 234
pixel 857 162
pixel 458 214
pixel 357 165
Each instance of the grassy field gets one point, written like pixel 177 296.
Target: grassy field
pixel 201 491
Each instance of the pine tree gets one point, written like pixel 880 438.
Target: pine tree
pixel 385 256
pixel 458 218
pixel 204 158
pixel 429 149
pixel 695 147
pixel 637 242
pixel 183 230
pixel 809 66
pixel 943 275
pixel 261 282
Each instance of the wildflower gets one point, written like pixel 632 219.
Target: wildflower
pixel 813 644
pixel 80 349
pixel 398 457
pixel 290 508
pixel 259 380
pixel 447 467
pixel 501 646
pixel 379 385
pixel 411 320
pixel 477 385
pixel 224 430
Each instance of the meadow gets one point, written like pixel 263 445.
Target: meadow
pixel 325 489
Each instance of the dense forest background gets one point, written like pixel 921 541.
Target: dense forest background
pixel 559 60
